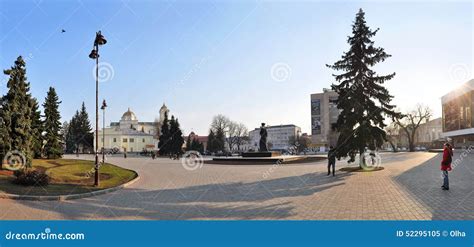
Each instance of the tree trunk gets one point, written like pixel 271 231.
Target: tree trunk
pixel 393 146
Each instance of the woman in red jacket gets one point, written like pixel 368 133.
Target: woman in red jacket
pixel 446 164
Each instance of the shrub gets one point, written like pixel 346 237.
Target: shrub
pixel 31 178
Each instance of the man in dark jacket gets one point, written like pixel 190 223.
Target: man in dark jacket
pixel 331 161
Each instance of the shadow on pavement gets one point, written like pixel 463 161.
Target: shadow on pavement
pixel 424 181
pixel 269 198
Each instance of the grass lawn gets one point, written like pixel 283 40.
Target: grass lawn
pixel 68 177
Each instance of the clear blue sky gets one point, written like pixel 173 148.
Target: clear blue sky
pixel 208 57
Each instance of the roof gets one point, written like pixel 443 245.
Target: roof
pixel 129 115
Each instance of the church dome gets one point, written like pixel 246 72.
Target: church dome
pixel 129 116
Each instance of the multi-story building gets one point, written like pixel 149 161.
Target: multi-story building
pixel 279 136
pixel 324 114
pixel 457 108
pixel 130 135
pixel 429 132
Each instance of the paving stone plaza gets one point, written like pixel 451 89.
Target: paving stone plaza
pixel 407 189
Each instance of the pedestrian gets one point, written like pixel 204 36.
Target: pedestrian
pixel 446 164
pixel 124 155
pixel 331 161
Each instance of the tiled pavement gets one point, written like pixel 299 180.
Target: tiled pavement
pixel 408 188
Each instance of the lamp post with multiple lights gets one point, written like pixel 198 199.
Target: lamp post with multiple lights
pixel 99 40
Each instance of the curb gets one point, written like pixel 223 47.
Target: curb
pixel 69 197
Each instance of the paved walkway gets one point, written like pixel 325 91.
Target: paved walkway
pixel 408 188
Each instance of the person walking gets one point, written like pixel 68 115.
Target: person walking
pixel 331 161
pixel 446 164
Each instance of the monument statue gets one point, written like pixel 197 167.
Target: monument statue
pixel 263 138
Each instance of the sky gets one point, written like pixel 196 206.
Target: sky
pixel 253 61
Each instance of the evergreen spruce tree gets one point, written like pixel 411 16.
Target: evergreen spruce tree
pixel 37 129
pixel 72 130
pixel 17 111
pixel 4 145
pixel 84 135
pixel 189 143
pixel 219 141
pixel 63 133
pixel 177 139
pixel 163 143
pixel 363 100
pixel 52 125
pixel 211 138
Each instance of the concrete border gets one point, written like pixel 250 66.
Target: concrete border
pixel 68 197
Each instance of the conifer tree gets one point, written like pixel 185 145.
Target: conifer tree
pixel 177 139
pixel 219 140
pixel 17 111
pixel 37 129
pixel 84 135
pixel 52 125
pixel 363 100
pixel 163 144
pixel 210 141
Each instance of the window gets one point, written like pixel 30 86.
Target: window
pixel 124 140
pixel 132 140
pixel 315 107
pixel 115 139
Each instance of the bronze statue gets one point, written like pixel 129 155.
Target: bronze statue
pixel 263 139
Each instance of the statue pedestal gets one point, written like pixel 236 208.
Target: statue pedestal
pixel 261 154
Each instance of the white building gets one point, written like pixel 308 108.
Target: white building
pixel 130 135
pixel 429 132
pixel 279 136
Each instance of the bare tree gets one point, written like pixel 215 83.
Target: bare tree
pixel 235 133
pixel 299 143
pixel 220 122
pixel 411 121
pixel 393 133
pixel 241 135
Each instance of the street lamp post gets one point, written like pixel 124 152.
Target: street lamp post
pixel 99 40
pixel 104 105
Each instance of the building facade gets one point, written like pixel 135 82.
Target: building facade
pixel 131 135
pixel 324 114
pixel 279 137
pixel 457 108
pixel 429 132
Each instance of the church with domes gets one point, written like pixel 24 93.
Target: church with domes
pixel 131 135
